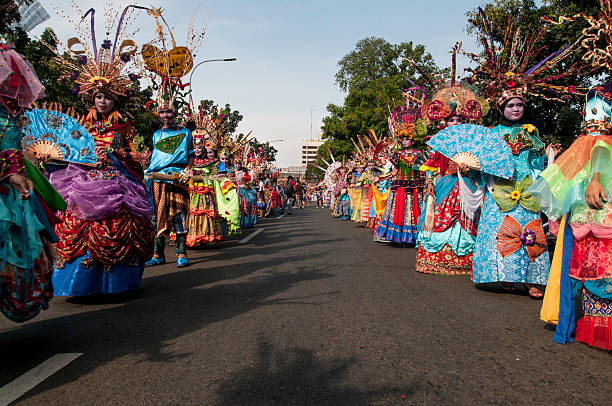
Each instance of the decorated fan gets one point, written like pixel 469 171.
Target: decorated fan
pixel 468 159
pixel 477 147
pixel 60 136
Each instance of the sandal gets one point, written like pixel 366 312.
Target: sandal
pixel 535 292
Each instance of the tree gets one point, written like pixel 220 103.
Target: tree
pixel 265 148
pixel 231 118
pixel 9 15
pixel 374 74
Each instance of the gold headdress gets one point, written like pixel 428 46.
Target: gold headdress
pixel 405 120
pixel 95 69
pixel 168 66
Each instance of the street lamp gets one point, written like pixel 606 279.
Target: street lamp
pixel 209 60
pixel 274 141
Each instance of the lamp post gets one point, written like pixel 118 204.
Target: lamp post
pixel 209 60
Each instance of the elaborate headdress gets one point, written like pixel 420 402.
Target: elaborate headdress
pixel 454 99
pixel 517 69
pixel 208 125
pixel 100 68
pixel 169 65
pixel 405 120
pixel 368 148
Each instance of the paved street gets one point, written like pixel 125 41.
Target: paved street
pixel 308 312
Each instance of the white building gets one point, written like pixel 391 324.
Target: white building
pixel 309 150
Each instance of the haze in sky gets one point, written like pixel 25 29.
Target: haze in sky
pixel 287 52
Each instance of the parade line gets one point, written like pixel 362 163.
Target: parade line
pixel 14 390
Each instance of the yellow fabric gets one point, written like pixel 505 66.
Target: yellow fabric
pixel 355 196
pixel 550 306
pixel 380 200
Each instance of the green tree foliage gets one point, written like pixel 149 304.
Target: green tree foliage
pixel 231 118
pixel 374 74
pixel 556 121
pixel 266 149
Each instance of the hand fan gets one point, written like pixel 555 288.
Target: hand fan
pixel 75 143
pixel 492 153
pixel 46 147
pixel 467 158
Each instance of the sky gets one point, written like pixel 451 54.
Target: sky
pixel 287 51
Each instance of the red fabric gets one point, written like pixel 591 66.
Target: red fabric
pixel 591 258
pixel 11 162
pixel 416 208
pixel 110 240
pixel 595 331
pixel 400 206
pixel 443 262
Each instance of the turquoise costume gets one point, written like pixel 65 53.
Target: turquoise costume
pixel 506 204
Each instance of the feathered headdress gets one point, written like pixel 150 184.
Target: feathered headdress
pixel 101 67
pixel 405 120
pixel 516 69
pixel 168 65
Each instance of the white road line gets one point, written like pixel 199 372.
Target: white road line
pixel 248 237
pixel 16 389
pixel 281 216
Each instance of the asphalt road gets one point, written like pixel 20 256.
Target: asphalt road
pixel 308 312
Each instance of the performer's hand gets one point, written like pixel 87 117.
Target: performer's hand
pixel 100 153
pixel 555 148
pixel 44 158
pixel 23 185
pixel 463 168
pixel 184 175
pixel 594 194
pixel 430 189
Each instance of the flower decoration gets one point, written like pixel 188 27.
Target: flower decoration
pixel 515 195
pixel 74 75
pixel 133 77
pixel 529 127
pixel 125 57
pixel 82 59
pixel 76 89
pixel 528 237
pixel 509 193
pixel 106 44
pixel 511 237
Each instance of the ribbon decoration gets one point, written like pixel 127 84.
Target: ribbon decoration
pixel 511 237
pixel 508 193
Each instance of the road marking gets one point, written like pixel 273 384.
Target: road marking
pixel 248 237
pixel 281 216
pixel 16 389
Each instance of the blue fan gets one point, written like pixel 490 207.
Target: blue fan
pixel 476 146
pixel 59 136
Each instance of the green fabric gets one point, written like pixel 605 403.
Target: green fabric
pixel 503 188
pixel 170 144
pixel 228 205
pixel 42 186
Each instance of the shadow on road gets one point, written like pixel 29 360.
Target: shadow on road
pixel 296 376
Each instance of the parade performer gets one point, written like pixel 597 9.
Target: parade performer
pixel 204 222
pixel 511 244
pixel 172 156
pixel 27 200
pixel 343 202
pixel 447 238
pixel 576 190
pixel 399 220
pixel 106 233
pixel 247 193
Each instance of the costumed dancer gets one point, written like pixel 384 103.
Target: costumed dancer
pixel 511 245
pixel 27 200
pixel 399 220
pixel 106 233
pixel 247 192
pixel 342 199
pixel 173 153
pixel 576 190
pixel 447 237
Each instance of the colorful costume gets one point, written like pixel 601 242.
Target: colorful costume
pixel 399 220
pixel 446 236
pixel 26 225
pixel 106 232
pixel 588 260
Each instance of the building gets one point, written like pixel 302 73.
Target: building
pixel 32 15
pixel 309 150
pixel 297 171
